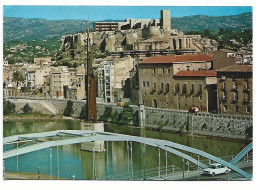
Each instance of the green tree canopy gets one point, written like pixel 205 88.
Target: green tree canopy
pixel 18 77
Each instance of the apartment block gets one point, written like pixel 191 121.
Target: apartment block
pixel 235 90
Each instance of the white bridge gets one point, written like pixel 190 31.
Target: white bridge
pixel 82 136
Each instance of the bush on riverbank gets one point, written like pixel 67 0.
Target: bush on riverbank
pixel 27 108
pixel 127 114
pixel 8 107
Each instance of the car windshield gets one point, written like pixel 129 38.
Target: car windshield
pixel 212 166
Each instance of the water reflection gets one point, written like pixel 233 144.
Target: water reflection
pixel 116 163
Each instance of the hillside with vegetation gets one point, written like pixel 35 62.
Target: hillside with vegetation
pixel 25 39
pixel 236 23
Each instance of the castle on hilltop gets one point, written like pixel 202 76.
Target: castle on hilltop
pixel 164 23
pixel 139 37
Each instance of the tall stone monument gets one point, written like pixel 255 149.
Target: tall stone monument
pixel 91 123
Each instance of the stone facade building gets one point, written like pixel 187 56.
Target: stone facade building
pixel 41 60
pixel 65 83
pixel 196 89
pixel 235 90
pixel 156 81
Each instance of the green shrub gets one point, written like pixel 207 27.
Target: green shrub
pixel 27 108
pixel 68 110
pixel 127 114
pixel 8 107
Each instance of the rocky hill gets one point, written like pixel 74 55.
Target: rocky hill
pixel 35 29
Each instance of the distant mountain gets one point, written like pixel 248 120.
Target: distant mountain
pixel 34 29
pixel 200 22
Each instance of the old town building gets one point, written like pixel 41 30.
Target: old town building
pixel 196 89
pixel 234 89
pixel 156 81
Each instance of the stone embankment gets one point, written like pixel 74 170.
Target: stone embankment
pixel 226 126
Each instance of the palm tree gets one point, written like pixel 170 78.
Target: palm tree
pixel 17 78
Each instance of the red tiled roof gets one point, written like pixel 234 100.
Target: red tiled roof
pixel 204 73
pixel 177 58
pixel 237 68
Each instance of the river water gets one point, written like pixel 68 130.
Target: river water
pixel 116 163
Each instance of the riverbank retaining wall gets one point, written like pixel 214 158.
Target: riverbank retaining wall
pixel 226 126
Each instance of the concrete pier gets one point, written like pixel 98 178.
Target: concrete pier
pixel 99 146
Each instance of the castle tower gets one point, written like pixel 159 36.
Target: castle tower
pixel 166 20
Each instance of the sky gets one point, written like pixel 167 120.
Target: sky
pixel 96 13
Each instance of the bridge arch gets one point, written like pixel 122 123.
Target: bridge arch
pixel 90 136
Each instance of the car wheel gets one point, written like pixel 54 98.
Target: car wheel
pixel 213 174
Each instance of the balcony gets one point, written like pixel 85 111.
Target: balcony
pixel 247 100
pixel 246 90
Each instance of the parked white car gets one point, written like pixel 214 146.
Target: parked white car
pixel 215 169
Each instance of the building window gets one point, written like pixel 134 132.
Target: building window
pixel 154 86
pixel 184 88
pixel 147 84
pixel 143 83
pixel 200 97
pixel 186 106
pixel 188 68
pixel 235 96
pixel 234 87
pixel 224 95
pixel 177 88
pixel 236 108
pixel 169 71
pixel 225 108
pixel 167 87
pixel 192 88
pixel 162 87
pixel 248 110
pixel 163 71
pixel 246 97
pixel 200 89
pixel 153 71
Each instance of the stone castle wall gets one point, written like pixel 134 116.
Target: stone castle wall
pixel 233 127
